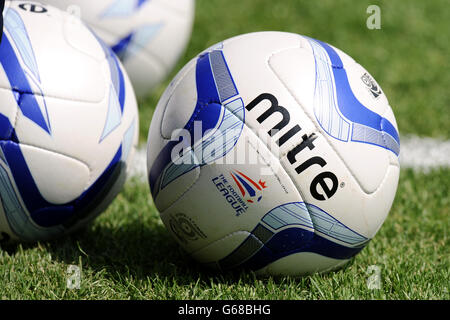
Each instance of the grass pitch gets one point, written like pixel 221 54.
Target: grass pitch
pixel 127 253
pixel 408 56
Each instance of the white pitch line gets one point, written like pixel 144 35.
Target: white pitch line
pixel 419 153
pixel 138 167
pixel 422 153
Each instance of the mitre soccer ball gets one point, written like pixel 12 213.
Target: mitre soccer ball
pixel 273 152
pixel 68 123
pixel 148 35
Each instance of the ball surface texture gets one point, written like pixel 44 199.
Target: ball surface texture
pixel 68 123
pixel 273 152
pixel 149 36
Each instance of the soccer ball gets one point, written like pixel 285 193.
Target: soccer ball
pixel 148 35
pixel 273 152
pixel 68 123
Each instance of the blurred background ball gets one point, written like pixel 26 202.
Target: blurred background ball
pixel 68 123
pixel 149 36
pixel 287 161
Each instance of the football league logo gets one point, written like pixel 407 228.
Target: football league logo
pixel 251 190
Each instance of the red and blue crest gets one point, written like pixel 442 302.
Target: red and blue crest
pixel 251 190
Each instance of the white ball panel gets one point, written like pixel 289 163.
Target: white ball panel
pixel 379 203
pixel 244 66
pixel 81 38
pixel 76 132
pixel 175 191
pixel 60 179
pixel 151 63
pixel 358 156
pixel 60 29
pixel 8 107
pixel 221 248
pixel 303 263
pixel 298 76
pixel 184 93
pixel 157 137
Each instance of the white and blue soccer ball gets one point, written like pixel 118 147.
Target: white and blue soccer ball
pixel 148 35
pixel 273 152
pixel 68 123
